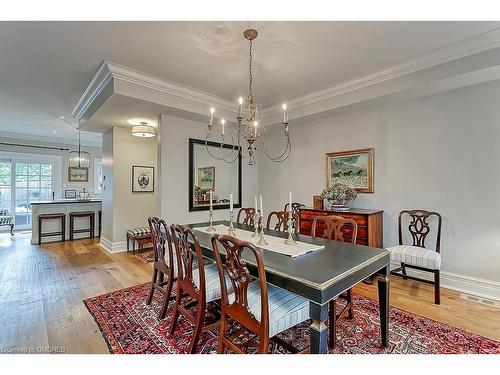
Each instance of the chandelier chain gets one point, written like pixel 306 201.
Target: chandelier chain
pixel 250 70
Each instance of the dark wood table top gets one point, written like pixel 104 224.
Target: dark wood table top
pixel 317 275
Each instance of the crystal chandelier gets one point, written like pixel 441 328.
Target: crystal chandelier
pixel 79 159
pixel 248 127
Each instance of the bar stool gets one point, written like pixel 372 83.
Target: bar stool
pixel 81 214
pixel 61 233
pixel 99 219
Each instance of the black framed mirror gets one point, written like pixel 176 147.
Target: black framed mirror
pixel 208 173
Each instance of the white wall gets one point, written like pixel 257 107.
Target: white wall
pixel 121 151
pixel 61 179
pixel 174 135
pixel 439 153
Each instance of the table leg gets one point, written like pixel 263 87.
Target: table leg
pixel 318 331
pixel 383 299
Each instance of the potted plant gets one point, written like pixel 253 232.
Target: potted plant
pixel 338 195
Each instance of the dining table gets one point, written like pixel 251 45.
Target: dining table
pixel 318 276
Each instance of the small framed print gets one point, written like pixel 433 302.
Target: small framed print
pixel 143 179
pixel 206 178
pixel 78 174
pixel 70 194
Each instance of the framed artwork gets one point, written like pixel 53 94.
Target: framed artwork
pixel 352 168
pixel 70 194
pixel 78 174
pixel 206 178
pixel 143 179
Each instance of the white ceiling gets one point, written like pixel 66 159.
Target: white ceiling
pixel 45 66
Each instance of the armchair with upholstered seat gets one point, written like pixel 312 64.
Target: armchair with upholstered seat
pixel 6 219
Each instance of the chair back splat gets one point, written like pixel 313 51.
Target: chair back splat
pixel 336 228
pixel 237 307
pixel 164 265
pixel 246 216
pixel 419 227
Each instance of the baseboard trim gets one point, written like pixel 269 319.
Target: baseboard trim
pixel 462 283
pixel 113 247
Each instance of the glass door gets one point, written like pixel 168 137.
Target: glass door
pixel 5 185
pixel 33 183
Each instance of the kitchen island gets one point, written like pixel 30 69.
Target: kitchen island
pixel 63 206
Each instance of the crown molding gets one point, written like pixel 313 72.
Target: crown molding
pixel 110 72
pixel 49 141
pixel 479 43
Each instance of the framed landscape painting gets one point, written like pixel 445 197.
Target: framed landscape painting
pixel 352 168
pixel 78 174
pixel 143 179
pixel 206 178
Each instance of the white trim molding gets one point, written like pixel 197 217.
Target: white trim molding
pixel 113 247
pixel 461 283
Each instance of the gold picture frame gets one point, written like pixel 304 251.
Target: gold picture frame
pixel 76 174
pixel 206 178
pixel 354 168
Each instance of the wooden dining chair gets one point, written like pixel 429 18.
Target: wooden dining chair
pixel 418 256
pixel 281 221
pixel 295 207
pixel 201 284
pixel 258 307
pixel 164 266
pixel 339 229
pixel 246 216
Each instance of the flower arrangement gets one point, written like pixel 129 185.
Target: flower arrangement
pixel 339 193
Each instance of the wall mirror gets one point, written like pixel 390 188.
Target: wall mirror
pixel 208 173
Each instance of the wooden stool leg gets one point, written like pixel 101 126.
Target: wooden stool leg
pixel 71 227
pixel 39 231
pixel 128 243
pixel 92 225
pixel 403 270
pixel 63 230
pixel 437 288
pixel 11 229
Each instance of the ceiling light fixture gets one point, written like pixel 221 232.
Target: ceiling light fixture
pixel 144 130
pixel 79 159
pixel 248 116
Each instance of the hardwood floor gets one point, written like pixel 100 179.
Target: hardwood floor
pixel 42 289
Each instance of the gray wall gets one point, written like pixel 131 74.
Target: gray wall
pixel 439 153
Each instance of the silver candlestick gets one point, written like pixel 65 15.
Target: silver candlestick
pixel 261 241
pixel 211 227
pixel 231 231
pixel 290 240
pixel 255 224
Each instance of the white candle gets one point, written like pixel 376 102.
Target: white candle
pixel 231 201
pixel 240 100
pixel 261 208
pixel 222 122
pixel 211 199
pixel 290 201
pixel 284 112
pixel 212 110
pixel 256 208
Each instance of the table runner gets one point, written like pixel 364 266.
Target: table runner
pixel 276 244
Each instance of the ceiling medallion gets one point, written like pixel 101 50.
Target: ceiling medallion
pixel 249 112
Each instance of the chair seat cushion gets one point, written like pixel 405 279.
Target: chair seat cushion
pixel 285 309
pixel 139 231
pixel 212 282
pixel 416 256
pixel 6 220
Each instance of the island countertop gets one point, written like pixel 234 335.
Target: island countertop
pixel 67 201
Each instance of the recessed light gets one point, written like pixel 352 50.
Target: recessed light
pixel 62 117
pixel 55 131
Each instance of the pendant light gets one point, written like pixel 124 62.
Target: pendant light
pixel 79 159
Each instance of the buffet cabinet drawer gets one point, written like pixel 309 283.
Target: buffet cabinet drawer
pixel 310 215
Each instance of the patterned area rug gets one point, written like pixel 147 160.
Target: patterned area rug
pixel 131 327
pixel 147 256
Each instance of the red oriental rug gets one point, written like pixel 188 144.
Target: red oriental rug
pixel 147 256
pixel 131 327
